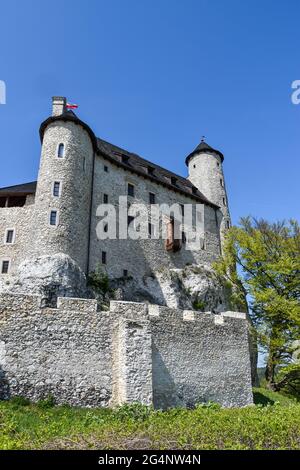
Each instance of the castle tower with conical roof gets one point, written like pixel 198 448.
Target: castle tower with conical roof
pixel 206 173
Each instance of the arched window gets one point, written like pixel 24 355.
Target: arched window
pixel 61 151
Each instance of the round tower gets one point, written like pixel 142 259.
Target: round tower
pixel 61 220
pixel 206 173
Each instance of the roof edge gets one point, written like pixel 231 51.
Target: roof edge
pixel 197 151
pixel 71 117
pixel 21 189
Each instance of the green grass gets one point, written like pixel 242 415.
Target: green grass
pixel 274 423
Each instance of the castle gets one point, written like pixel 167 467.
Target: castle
pixel 168 337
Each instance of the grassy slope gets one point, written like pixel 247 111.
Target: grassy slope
pixel 273 424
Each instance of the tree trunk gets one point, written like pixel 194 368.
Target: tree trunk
pixel 270 371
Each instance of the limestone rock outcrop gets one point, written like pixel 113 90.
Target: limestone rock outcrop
pixel 194 287
pixel 48 276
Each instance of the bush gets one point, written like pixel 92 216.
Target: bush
pixel 210 405
pixel 99 282
pixel 288 380
pixel 198 305
pixel 48 402
pixel 18 401
pixel 135 411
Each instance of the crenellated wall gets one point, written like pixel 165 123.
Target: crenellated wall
pixel 132 353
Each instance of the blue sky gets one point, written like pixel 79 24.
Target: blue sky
pixel 153 77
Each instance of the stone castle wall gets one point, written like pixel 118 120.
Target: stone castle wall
pixel 20 220
pixel 134 352
pixel 143 257
pixel 35 237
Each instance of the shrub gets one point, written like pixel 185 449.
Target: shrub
pixel 135 411
pixel 198 304
pixel 48 402
pixel 210 405
pixel 18 401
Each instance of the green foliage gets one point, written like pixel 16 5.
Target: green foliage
pixel 48 402
pixel 135 411
pixel 262 396
pixel 198 304
pixel 98 281
pixel 268 256
pixel 272 424
pixel 288 380
pixel 18 401
pixel 210 405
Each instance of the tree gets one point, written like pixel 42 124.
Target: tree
pixel 268 260
pixel 98 281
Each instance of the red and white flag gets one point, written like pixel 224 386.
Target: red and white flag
pixel 71 106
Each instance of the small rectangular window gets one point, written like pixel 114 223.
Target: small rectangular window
pixel 130 190
pixel 125 273
pixel 150 230
pixel 221 182
pixel 151 198
pixel 182 209
pixel 5 267
pixel 125 159
pixel 9 236
pixel 106 169
pixel 105 198
pixel 56 189
pixel 53 217
pixel 103 257
pixel 61 151
pixel 224 201
pixel 183 237
pixel 130 219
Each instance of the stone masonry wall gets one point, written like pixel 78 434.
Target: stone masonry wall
pixel 143 257
pixel 74 173
pixel 19 219
pixel 133 353
pixel 206 172
pixel 65 352
pixel 200 358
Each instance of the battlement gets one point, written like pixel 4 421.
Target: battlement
pixel 77 305
pixel 151 311
pixel 18 303
pixel 135 352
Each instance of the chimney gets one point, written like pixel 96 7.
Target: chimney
pixel 58 105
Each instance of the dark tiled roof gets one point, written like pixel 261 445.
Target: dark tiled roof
pixel 19 189
pixel 132 162
pixel 203 147
pixel 135 163
pixel 68 116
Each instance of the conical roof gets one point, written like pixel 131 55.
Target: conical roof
pixel 203 147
